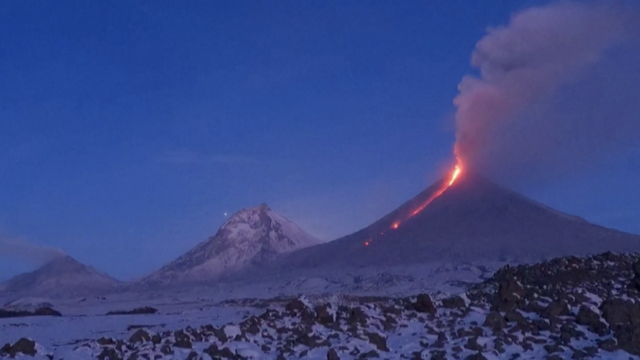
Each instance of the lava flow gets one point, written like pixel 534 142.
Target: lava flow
pixel 396 224
pixel 436 194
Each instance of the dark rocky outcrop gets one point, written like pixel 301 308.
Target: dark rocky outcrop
pixel 45 311
pixel 423 304
pixel 454 302
pixel 137 311
pixel 22 346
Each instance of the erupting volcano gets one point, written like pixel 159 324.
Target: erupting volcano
pixel 464 218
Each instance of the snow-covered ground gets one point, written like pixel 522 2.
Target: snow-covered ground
pixel 569 308
pixel 88 319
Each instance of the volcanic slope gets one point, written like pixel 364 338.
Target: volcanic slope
pixel 61 277
pixel 252 236
pixel 474 220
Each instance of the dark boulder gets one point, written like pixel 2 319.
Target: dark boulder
pixel 591 319
pixel 215 353
pixel 472 344
pixel 635 282
pixel 454 302
pixel 323 315
pixel 139 336
pixel 109 354
pixel 379 341
pixel 476 356
pixel 22 346
pixel 296 305
pixel 369 355
pixel 510 295
pixel 106 341
pixel 556 308
pixel 182 340
pixel 495 321
pixel 624 319
pixel 423 304
pixel 332 354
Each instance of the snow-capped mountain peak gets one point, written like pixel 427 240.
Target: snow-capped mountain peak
pixel 250 237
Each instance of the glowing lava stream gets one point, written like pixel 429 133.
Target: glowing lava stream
pixel 454 176
pixel 436 194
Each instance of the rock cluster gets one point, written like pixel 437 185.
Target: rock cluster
pixel 567 308
pixel 44 311
pixel 137 311
pixel 22 346
pixel 572 300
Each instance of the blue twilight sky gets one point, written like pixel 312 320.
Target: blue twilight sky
pixel 128 128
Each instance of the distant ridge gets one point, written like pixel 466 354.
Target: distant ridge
pixel 61 277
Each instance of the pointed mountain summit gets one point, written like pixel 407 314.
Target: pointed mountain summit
pixel 474 220
pixel 61 277
pixel 252 236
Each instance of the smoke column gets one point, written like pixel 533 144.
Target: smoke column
pixel 557 87
pixel 27 251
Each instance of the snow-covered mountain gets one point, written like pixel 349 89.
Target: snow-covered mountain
pixel 61 277
pixel 252 236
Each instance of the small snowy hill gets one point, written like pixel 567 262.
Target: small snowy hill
pixel 61 277
pixel 252 236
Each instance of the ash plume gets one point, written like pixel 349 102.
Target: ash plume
pixel 556 90
pixel 27 251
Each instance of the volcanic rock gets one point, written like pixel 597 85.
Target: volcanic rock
pixel 423 304
pixel 495 321
pixel 109 354
pixel 137 311
pixel 476 356
pixel 624 318
pixel 635 282
pixel 215 353
pixel 591 319
pixel 332 355
pixel 510 295
pixel 139 336
pixel 379 341
pixel 556 308
pixel 22 346
pixel 454 302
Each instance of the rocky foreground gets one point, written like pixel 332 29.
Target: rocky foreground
pixel 567 308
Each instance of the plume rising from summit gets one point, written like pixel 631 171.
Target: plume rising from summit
pixel 554 90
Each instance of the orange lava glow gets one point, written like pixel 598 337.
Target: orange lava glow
pixel 456 173
pixel 454 176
